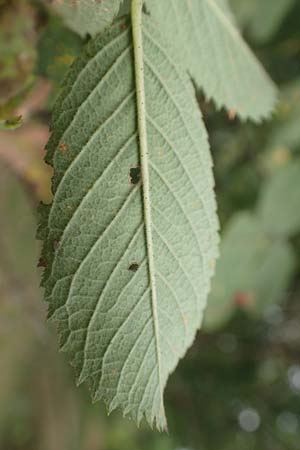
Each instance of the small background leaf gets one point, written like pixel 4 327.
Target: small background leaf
pixel 17 54
pixel 278 208
pixel 57 48
pixel 285 127
pixel 252 273
pixel 11 123
pixel 262 19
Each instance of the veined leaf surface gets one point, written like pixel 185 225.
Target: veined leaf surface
pixel 87 16
pixel 128 258
pixel 215 54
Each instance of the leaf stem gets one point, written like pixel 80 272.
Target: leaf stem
pixel 136 18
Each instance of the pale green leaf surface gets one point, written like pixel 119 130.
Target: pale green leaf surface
pixel 125 334
pixel 279 203
pixel 253 271
pixel 215 54
pixel 87 16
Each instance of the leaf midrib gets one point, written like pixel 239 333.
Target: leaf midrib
pixel 136 16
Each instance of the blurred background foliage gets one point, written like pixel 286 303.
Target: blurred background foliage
pixel 239 386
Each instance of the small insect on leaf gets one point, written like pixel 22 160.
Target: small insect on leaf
pixel 133 267
pixel 134 175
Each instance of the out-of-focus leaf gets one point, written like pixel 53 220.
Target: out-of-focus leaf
pixel 279 203
pixel 243 10
pixel 10 106
pixel 17 52
pixel 23 151
pixel 268 17
pixel 273 159
pixel 11 124
pixel 245 273
pixel 57 48
pixel 285 131
pixel 287 134
pixel 274 275
pixel 35 103
pixel 262 18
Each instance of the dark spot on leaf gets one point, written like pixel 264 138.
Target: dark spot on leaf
pixel 133 267
pixel 55 245
pixel 42 262
pixel 134 175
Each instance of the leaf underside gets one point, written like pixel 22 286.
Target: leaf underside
pixel 119 340
pixel 87 16
pixel 207 40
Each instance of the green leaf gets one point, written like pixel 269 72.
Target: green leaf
pixel 17 54
pixel 205 36
pixel 263 19
pixel 253 272
pixel 285 129
pixel 274 276
pixel 87 16
pixel 11 124
pixel 131 237
pixel 279 203
pixel 57 49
